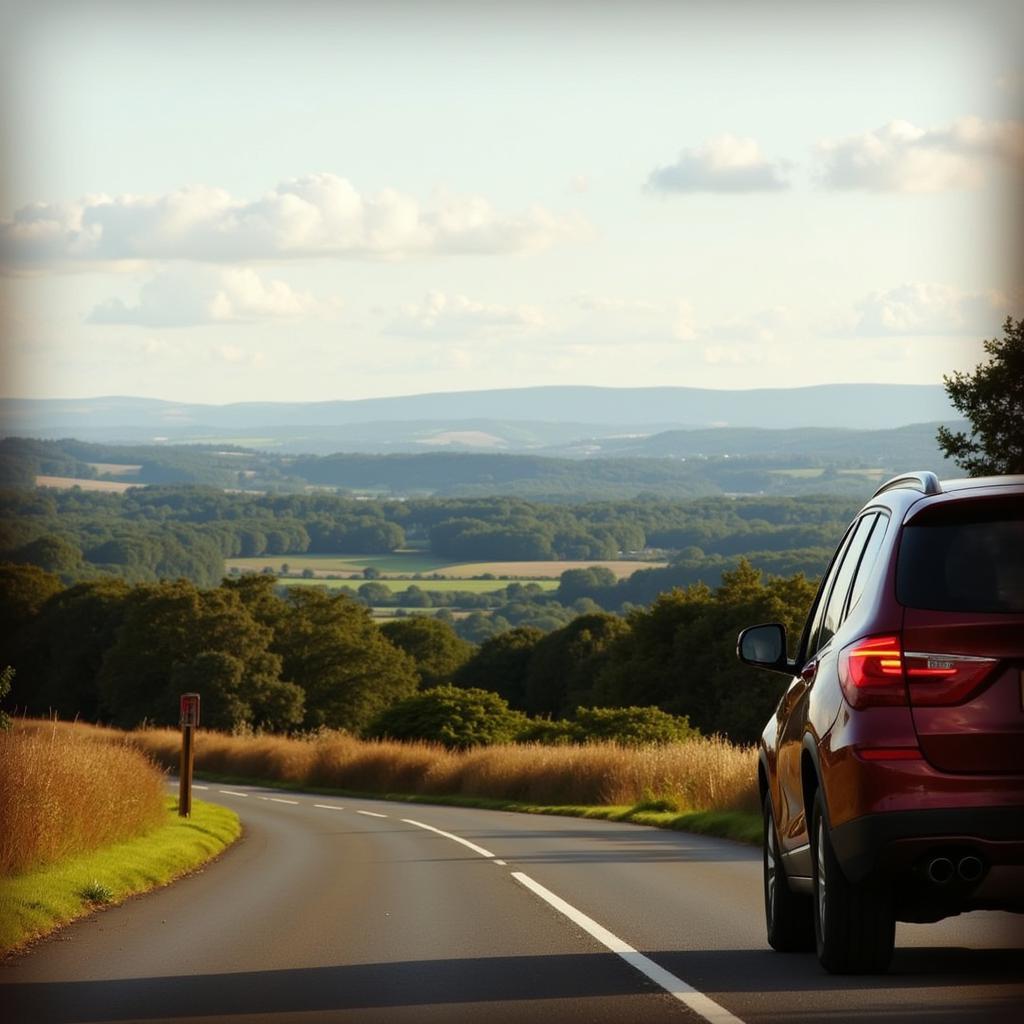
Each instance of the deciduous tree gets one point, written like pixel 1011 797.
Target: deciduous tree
pixel 992 399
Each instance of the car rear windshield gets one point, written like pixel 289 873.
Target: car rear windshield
pixel 965 556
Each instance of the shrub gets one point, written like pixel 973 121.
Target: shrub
pixel 454 717
pixel 633 726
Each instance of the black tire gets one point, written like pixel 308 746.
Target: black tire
pixel 854 924
pixel 788 915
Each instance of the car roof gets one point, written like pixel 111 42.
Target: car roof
pixel 902 493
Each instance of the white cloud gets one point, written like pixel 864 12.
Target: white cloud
pixel 684 326
pixel 723 164
pixel 184 297
pixel 762 326
pixel 444 315
pixel 612 304
pixel 929 309
pixel 900 157
pixel 315 216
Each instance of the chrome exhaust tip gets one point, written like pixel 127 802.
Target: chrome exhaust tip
pixel 970 868
pixel 939 870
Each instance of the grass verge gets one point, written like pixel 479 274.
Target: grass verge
pixel 38 902
pixel 740 826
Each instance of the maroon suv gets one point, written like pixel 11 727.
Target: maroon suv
pixel 892 772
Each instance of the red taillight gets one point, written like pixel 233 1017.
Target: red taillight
pixel 935 679
pixel 871 672
pixel 877 671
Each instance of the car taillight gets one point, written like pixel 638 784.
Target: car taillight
pixel 871 672
pixel 935 679
pixel 876 671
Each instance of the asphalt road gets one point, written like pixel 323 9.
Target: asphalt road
pixel 351 910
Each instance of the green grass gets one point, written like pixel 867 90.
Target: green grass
pixel 441 586
pixel 740 826
pixel 406 562
pixel 37 902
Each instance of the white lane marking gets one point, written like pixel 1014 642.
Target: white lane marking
pixel 281 800
pixel 698 1002
pixel 501 864
pixel 448 835
pixel 231 792
pixel 194 786
pixel 372 814
pixel 330 807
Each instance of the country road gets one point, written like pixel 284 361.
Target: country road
pixel 332 909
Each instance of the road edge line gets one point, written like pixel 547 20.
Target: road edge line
pixel 695 1000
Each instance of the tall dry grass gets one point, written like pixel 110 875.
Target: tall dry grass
pixel 67 789
pixel 699 774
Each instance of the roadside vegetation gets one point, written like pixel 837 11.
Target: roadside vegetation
pixel 61 795
pixel 696 774
pixel 87 824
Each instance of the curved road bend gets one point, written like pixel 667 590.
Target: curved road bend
pixel 351 910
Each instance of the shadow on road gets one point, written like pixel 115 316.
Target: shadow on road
pixel 513 980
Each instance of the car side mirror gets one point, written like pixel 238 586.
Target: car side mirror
pixel 764 646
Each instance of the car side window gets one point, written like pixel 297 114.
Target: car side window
pixel 867 561
pixel 826 588
pixel 841 587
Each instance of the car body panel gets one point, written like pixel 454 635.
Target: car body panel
pixel 956 778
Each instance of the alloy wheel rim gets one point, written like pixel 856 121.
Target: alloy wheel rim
pixel 770 867
pixel 822 880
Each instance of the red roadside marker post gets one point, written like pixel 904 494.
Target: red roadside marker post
pixel 189 722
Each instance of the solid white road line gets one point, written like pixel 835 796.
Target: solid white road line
pixel 372 814
pixel 448 835
pixel 231 792
pixel 281 800
pixel 330 807
pixel 687 994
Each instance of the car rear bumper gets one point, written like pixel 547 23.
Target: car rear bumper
pixel 890 843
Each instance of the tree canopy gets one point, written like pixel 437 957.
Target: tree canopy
pixel 992 399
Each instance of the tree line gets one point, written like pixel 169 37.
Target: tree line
pixel 106 650
pixel 164 532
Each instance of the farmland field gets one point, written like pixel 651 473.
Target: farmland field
pixel 408 563
pixel 65 483
pixel 441 586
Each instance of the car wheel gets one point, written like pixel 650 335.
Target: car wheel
pixel 789 915
pixel 854 925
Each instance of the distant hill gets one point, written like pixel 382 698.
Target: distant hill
pixel 673 464
pixel 520 419
pixel 913 444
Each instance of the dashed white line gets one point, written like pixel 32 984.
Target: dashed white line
pixel 194 786
pixel 448 835
pixel 372 814
pixel 686 994
pixel 330 807
pixel 501 863
pixel 281 800
pixel 231 792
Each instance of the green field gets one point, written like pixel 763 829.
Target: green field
pixel 409 563
pixel 441 586
pixel 400 563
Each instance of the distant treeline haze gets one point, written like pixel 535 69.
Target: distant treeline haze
pixel 167 532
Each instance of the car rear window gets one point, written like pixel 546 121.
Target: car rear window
pixel 964 557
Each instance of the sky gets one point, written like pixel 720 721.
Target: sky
pixel 222 202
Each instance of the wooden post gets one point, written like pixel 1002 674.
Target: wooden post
pixel 189 721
